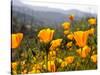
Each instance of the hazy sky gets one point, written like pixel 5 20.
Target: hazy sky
pixel 86 8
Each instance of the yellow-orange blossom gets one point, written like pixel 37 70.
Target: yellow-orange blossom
pixel 66 25
pixel 94 58
pixel 67 60
pixel 16 39
pixel 55 43
pixel 81 38
pixel 46 35
pixel 92 21
pixel 84 51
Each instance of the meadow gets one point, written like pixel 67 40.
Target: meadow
pixel 73 47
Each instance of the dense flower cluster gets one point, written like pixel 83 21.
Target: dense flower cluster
pixel 75 50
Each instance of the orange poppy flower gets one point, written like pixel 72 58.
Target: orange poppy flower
pixel 46 35
pixel 16 39
pixel 81 38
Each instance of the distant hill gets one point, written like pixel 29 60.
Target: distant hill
pixel 44 16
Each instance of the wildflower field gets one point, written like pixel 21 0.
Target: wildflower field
pixel 72 48
pixel 48 38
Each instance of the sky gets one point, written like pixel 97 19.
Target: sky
pixel 60 5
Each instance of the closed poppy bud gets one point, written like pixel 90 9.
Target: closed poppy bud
pixel 94 58
pixel 14 65
pixel 69 44
pixel 83 54
pixel 52 53
pixel 79 51
pixel 85 51
pixel 55 43
pixel 71 17
pixel 63 64
pixel 51 66
pixel 66 25
pixel 70 36
pixel 69 59
pixel 66 32
pixel 91 31
pixel 59 60
pixel 92 21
